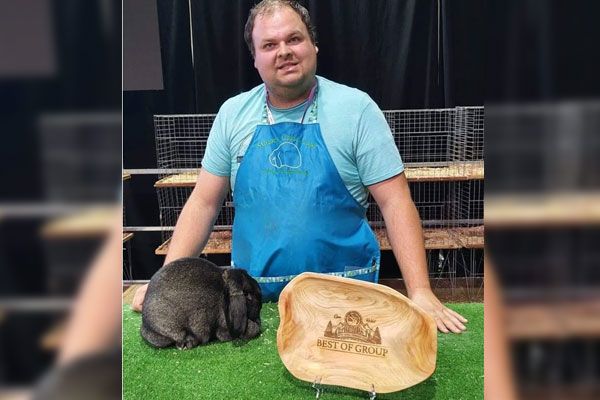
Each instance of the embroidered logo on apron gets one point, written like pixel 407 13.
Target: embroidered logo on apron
pixel 286 154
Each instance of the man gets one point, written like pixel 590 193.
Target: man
pixel 301 154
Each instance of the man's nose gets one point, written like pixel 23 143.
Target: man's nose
pixel 284 50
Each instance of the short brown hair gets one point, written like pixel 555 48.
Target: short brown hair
pixel 268 6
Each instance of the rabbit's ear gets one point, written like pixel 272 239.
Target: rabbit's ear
pixel 252 287
pixel 238 319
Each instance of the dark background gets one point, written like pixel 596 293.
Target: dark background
pixel 59 58
pixel 405 54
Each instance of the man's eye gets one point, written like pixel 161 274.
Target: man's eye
pixel 295 39
pixel 268 46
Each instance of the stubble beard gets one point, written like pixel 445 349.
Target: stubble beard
pixel 294 92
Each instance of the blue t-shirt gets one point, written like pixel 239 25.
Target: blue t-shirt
pixel 354 130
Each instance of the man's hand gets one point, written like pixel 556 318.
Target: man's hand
pixel 446 319
pixel 138 298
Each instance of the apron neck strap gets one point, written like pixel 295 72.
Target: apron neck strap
pixel 310 101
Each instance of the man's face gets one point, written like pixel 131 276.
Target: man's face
pixel 284 55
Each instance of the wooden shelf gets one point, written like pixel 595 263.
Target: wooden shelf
pixel 127 236
pixel 455 238
pixel 92 223
pixel 219 242
pixel 440 239
pixel 562 209
pixel 186 179
pixel 450 172
pixel 163 249
pixel 554 321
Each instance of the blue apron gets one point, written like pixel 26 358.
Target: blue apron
pixel 293 212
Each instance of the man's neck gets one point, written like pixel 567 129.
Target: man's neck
pixel 289 97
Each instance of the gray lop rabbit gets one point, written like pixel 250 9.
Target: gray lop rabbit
pixel 191 301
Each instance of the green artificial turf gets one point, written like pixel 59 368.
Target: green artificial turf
pixel 254 370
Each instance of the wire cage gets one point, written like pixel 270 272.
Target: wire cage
pixel 180 145
pixel 438 137
pixel 443 153
pixel 171 201
pixel 442 150
pixel 423 136
pixel 181 140
pixel 467 142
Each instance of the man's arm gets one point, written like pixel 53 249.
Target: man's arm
pixel 405 234
pixel 198 216
pixel 194 224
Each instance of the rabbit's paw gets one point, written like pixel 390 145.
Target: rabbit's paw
pixel 189 342
pixel 252 330
pixel 223 334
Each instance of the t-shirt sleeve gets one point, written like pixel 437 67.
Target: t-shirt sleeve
pixel 217 158
pixel 377 156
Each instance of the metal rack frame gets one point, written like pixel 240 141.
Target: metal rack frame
pixel 442 150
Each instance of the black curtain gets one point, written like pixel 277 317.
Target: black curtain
pixel 222 62
pixel 404 54
pixel 139 149
pixel 178 94
pixel 542 50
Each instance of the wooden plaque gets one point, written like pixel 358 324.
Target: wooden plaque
pixel 361 335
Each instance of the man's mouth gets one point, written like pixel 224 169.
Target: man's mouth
pixel 287 65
